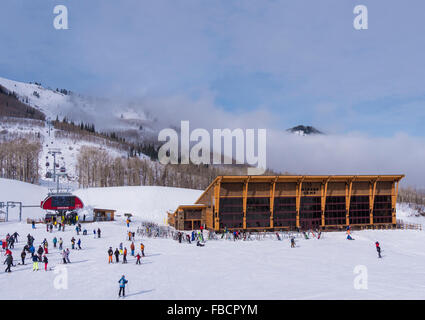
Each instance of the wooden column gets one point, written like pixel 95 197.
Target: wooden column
pixel 324 191
pixel 245 194
pixel 272 189
pixel 394 194
pixel 348 191
pixel 217 206
pixel 372 191
pixel 298 200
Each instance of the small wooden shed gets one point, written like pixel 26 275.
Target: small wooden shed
pixel 103 214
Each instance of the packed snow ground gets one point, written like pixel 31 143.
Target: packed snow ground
pixel 223 269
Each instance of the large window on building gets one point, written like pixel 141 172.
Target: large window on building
pixel 231 213
pixel 382 209
pixel 335 211
pixel 257 212
pixel 310 212
pixel 359 210
pixel 285 212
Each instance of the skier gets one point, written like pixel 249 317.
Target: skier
pixel 132 247
pixel 11 243
pixel 142 248
pixel 23 255
pixel 15 236
pixel 60 244
pixel 138 258
pixel 40 253
pixel 193 235
pixel 33 224
pixel 129 236
pixel 94 233
pixel 292 242
pixel 78 230
pixel 34 263
pixel 349 237
pixel 121 248
pixel 180 237
pixel 378 248
pixel 67 255
pixel 124 259
pixel 98 232
pixel 188 238
pixel 55 240
pixel 79 244
pixel 278 236
pixel 122 283
pixel 73 243
pixel 64 256
pixel 128 223
pixel 8 262
pixel 110 253
pixel 32 250
pixel 46 247
pixel 46 261
pixel 117 255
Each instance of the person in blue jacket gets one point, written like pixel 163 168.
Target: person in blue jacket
pixel 32 250
pixel 122 283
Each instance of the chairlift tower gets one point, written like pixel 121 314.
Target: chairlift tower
pixel 62 171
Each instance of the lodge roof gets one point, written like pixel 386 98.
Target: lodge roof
pixel 301 178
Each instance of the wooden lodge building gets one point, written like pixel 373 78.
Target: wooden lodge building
pixel 291 202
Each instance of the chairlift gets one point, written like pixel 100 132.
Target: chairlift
pixel 48 175
pixel 47 164
pixel 63 169
pixel 57 165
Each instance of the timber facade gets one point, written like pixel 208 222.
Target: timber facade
pixel 261 203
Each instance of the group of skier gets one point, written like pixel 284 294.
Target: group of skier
pixel 122 251
pixel 39 255
pixel 197 236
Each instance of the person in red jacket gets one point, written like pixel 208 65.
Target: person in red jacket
pixel 378 248
pixel 46 261
pixel 138 258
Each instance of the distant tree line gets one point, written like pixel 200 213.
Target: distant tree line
pixel 19 160
pixel 11 106
pixel 97 168
pixel 411 196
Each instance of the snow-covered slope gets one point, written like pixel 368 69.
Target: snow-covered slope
pixel 145 202
pixel 262 269
pixel 105 114
pixel 315 269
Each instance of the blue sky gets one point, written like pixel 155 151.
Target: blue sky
pixel 300 61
